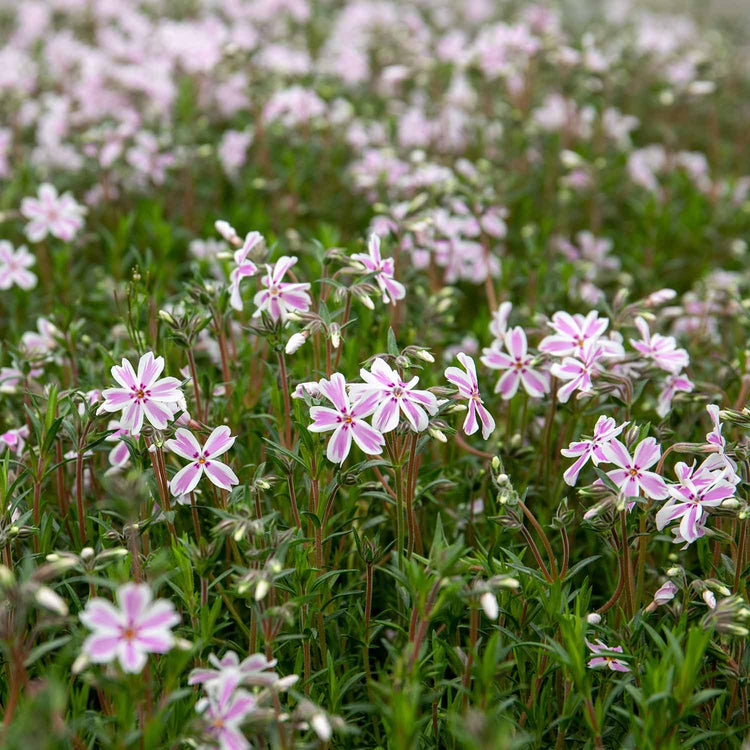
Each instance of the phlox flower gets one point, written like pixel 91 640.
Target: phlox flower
pixel 224 709
pixel 280 297
pixel 252 670
pixel 517 363
pixel 243 268
pixel 129 632
pixel 14 267
pixel 50 213
pixel 202 459
pixel 119 455
pixel 696 489
pixel 394 396
pixel 671 385
pixel 598 648
pixel 578 372
pixel 663 595
pixel 632 476
pixel 142 394
pixel 14 440
pixel 346 419
pixel 716 443
pixel 41 342
pixel 383 268
pixel 311 388
pixel 468 388
pixel 572 333
pixel 605 430
pixel 661 350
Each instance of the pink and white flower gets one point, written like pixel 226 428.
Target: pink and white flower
pixel 224 709
pixel 119 455
pixel 572 333
pixel 14 440
pixel 602 659
pixel 499 322
pixel 696 489
pixel 131 631
pixel 661 350
pixel 243 268
pixel 347 420
pixel 468 388
pixel 519 366
pixel 50 213
pixel 279 298
pixel 633 476
pixel 671 386
pixel 383 268
pixel 202 460
pixel 578 373
pixel 717 444
pixel 251 671
pixel 142 394
pixel 394 396
pixel 14 267
pixel 605 430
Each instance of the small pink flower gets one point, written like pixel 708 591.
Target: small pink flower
pixel 14 440
pixel 599 647
pixel 671 385
pixel 142 394
pixel 119 455
pixel 665 593
pixel 578 372
pixel 279 297
pixel 518 364
pixel 251 671
pixel 383 268
pixel 202 459
pixel 394 396
pixel 59 216
pixel 244 267
pixel 572 333
pixel 468 388
pixel 132 631
pixel 661 350
pixel 605 430
pixel 632 476
pixel 346 420
pixel 224 710
pixel 14 265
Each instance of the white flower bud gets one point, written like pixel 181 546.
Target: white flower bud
pixel 709 598
pixel 48 599
pixel 322 727
pixel 593 618
pixel 261 589
pixel 425 355
pixel 437 434
pixel 489 605
pixel 296 341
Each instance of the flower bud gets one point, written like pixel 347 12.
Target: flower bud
pixel 593 618
pixel 489 605
pixel 296 341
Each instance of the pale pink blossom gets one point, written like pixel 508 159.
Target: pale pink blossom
pixel 279 298
pixel 50 213
pixel 347 420
pixel 602 659
pixel 243 267
pixel 142 394
pixel 670 387
pixel 468 388
pixel 129 632
pixel 119 456
pixel 661 350
pixel 578 372
pixel 572 333
pixel 518 365
pixel 383 268
pixel 14 267
pixel 202 460
pixel 633 476
pixel 224 709
pixel 395 396
pixel 253 670
pixel 605 430
pixel 14 440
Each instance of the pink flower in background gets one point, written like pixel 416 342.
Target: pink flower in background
pixel 224 710
pixel 142 394
pixel 42 341
pixel 252 670
pixel 633 475
pixel 499 322
pixel 598 648
pixel 59 216
pixel 14 265
pixel 383 268
pixel 572 333
pixel 663 595
pixel 518 364
pixel 244 267
pixel 347 420
pixel 131 631
pixel 119 455
pixel 661 350
pixel 468 388
pixel 671 386
pixel 202 459
pixel 716 442
pixel 14 440
pixel 395 396
pixel 605 430
pixel 695 490
pixel 279 298
pixel 578 372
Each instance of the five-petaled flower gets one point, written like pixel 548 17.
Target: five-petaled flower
pixel 279 297
pixel 394 395
pixel 633 475
pixel 383 268
pixel 202 460
pixel 347 420
pixel 253 670
pixel 142 394
pixel 468 388
pixel 671 385
pixel 602 658
pixel 243 268
pixel 572 333
pixel 578 372
pixel 224 709
pixel 129 633
pixel 50 213
pixel 14 266
pixel 661 350
pixel 605 429
pixel 518 364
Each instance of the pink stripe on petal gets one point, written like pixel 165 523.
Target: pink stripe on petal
pixel 459 379
pixel 647 453
pixel 132 417
pixel 219 442
pixel 471 424
pixel 508 384
pixel 115 398
pixel 157 414
pixel 184 444
pixel 416 415
pixel 515 342
pixel 617 453
pixel 124 375
pixel 221 474
pixel 186 479
pixel 133 599
pixel 101 647
pixel 102 615
pixel 367 438
pixel 653 485
pixel 386 415
pixel 324 419
pixel 339 445
pixel 155 641
pixel 335 391
pixel 487 420
pixel 149 369
pixel 161 614
pixel 132 658
pixel 166 389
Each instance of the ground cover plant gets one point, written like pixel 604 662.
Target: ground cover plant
pixel 374 374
